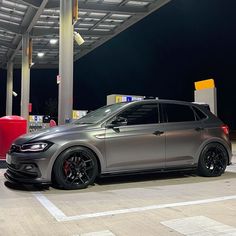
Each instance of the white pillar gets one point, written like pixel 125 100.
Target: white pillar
pixel 208 96
pixel 25 77
pixel 9 88
pixel 66 55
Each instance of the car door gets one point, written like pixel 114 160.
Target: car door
pixel 138 145
pixel 183 134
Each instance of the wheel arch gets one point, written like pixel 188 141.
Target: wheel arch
pixel 99 157
pixel 213 140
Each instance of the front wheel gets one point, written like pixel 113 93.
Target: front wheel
pixel 213 160
pixel 75 168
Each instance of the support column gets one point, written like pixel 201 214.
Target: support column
pixel 25 77
pixel 66 60
pixel 9 88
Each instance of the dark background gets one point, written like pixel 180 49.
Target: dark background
pixel 162 55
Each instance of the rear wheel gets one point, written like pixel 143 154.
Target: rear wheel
pixel 75 168
pixel 213 160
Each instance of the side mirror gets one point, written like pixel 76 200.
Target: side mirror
pixel 119 121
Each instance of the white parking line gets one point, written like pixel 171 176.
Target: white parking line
pixel 100 233
pixel 231 168
pixel 200 226
pixel 60 216
pixel 2 171
pixel 52 209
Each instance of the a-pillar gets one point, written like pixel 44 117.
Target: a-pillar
pixel 9 88
pixel 25 77
pixel 65 103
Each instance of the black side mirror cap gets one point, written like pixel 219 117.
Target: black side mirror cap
pixel 119 121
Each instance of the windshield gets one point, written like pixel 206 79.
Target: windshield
pixel 99 114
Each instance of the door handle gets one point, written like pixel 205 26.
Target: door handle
pixel 158 132
pixel 199 129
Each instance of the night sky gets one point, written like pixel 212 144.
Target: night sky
pixel 162 56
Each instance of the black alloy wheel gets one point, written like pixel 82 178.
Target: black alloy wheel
pixel 75 168
pixel 213 160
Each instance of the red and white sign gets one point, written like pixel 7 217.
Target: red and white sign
pixel 30 107
pixel 58 79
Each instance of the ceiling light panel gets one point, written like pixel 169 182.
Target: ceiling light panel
pixel 8 32
pixel 82 13
pixel 50 17
pixel 42 27
pixel 120 16
pixel 86 24
pixel 113 20
pixel 113 1
pixel 6 36
pixel 13 4
pixel 104 30
pixel 97 14
pixel 10 17
pixel 93 1
pixel 106 26
pixel 137 3
pixel 11 11
pixel 52 11
pixel 9 22
pixel 79 28
pixel 91 19
pixel 39 22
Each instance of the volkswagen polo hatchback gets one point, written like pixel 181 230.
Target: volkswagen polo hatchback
pixel 123 138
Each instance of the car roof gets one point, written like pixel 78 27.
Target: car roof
pixel 164 101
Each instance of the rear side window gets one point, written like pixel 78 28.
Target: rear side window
pixel 200 114
pixel 141 114
pixel 177 113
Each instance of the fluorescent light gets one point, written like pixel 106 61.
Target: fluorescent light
pixel 40 54
pixel 53 41
pixel 14 94
pixel 137 3
pixel 120 16
pixel 97 14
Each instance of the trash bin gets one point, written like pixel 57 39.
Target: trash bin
pixel 11 127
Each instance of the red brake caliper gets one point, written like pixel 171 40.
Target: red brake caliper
pixel 66 167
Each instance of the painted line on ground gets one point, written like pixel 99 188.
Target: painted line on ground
pixel 231 168
pixel 99 233
pixel 52 209
pixel 2 171
pixel 200 226
pixel 60 216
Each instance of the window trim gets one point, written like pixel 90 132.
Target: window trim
pixel 206 116
pixel 164 119
pixel 136 104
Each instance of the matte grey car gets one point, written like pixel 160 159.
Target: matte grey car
pixel 123 138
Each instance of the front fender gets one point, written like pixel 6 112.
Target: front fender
pixel 100 155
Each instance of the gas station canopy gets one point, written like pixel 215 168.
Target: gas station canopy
pixel 99 21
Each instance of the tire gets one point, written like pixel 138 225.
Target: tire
pixel 213 160
pixel 75 168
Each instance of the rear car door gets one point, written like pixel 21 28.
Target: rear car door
pixel 138 145
pixel 183 133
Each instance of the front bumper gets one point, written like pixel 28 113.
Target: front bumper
pixel 18 174
pixel 29 168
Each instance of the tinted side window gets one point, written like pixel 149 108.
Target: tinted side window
pixel 178 113
pixel 141 114
pixel 200 114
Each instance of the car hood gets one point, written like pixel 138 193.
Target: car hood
pixel 50 133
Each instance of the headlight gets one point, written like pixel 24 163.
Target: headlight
pixel 35 147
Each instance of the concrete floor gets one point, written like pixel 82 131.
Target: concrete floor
pixel 160 204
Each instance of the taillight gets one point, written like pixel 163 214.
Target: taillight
pixel 225 128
